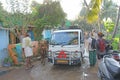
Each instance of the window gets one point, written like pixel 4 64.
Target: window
pixel 64 38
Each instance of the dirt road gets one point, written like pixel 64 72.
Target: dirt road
pixel 51 72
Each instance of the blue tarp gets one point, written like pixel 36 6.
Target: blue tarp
pixel 31 35
pixel 46 34
pixel 19 52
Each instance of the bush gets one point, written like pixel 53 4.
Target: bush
pixel 115 43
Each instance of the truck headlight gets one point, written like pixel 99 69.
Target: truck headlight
pixel 74 55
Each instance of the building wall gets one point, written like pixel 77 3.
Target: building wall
pixel 4 41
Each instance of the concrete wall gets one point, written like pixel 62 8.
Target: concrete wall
pixel 4 41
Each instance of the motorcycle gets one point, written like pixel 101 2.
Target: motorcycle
pixel 109 68
pixel 116 55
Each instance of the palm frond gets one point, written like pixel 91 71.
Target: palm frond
pixel 93 13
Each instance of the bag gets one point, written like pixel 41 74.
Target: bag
pixel 93 43
pixel 86 53
pixel 101 45
pixel 86 58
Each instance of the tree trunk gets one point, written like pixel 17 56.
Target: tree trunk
pixel 116 25
pixel 86 4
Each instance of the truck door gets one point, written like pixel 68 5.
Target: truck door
pixel 82 42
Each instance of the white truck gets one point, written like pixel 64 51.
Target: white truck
pixel 66 47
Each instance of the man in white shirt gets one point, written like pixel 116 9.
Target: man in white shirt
pixel 27 50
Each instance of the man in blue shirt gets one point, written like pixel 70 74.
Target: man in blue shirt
pixel 30 32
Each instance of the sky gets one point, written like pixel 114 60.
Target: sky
pixel 71 7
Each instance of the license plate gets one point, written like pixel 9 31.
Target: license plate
pixel 62 61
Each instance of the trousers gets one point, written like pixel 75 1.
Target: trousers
pixel 92 57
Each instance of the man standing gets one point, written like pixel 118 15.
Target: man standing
pixel 30 32
pixel 27 50
pixel 100 46
pixel 92 50
pixel 95 36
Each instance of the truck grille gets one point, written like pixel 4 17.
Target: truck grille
pixel 62 54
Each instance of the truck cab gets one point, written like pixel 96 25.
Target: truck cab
pixel 66 47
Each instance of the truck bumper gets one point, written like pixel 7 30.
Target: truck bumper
pixel 65 61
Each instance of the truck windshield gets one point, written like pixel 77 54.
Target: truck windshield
pixel 64 38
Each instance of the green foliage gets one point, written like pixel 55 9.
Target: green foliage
pixel 38 33
pixel 42 14
pixel 2 12
pixel 115 41
pixel 115 44
pixel 109 26
pixel 16 16
pixel 18 19
pixel 95 12
pixel 109 9
pixel 49 14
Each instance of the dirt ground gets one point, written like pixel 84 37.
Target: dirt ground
pixel 51 72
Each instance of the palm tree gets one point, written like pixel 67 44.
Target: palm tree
pixel 116 25
pixel 92 12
